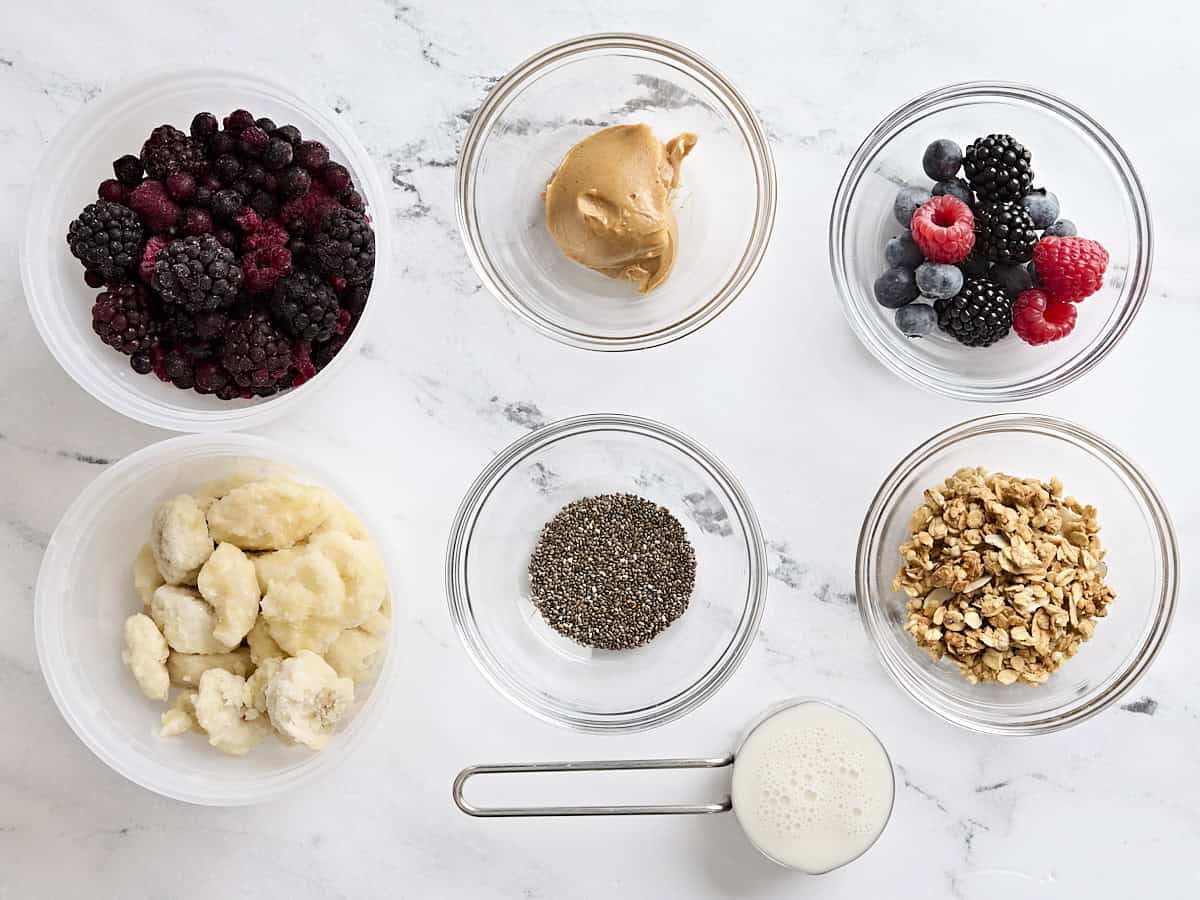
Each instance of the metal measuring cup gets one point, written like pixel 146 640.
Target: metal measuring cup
pixel 638 765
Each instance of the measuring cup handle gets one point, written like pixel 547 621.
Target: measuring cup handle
pixel 614 765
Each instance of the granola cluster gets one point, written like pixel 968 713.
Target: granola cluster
pixel 1005 576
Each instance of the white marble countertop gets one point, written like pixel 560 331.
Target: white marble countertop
pixel 778 387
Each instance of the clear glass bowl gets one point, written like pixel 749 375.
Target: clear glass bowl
pixel 80 157
pixel 552 677
pixel 547 104
pixel 85 592
pixel 1073 156
pixel 1142 557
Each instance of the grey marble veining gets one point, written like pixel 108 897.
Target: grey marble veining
pixel 797 409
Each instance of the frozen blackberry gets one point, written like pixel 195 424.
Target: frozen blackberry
pixel 211 378
pixel 128 170
pixel 257 354
pixel 305 306
pixel 344 246
pixel 1004 233
pixel 179 369
pixel 978 315
pixel 198 336
pixel 168 150
pixel 121 316
pixel 197 274
pixel 226 203
pixel 998 168
pixel 106 238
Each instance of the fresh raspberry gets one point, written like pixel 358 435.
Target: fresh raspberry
pixel 1040 319
pixel 263 267
pixel 944 229
pixel 1070 268
pixel 149 255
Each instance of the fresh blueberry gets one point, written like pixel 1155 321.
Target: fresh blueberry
pixel 974 265
pixel 939 281
pixel 902 250
pixel 1042 207
pixel 1032 270
pixel 916 320
pixel 895 287
pixel 942 160
pixel 1012 278
pixel 1061 228
pixel 907 202
pixel 955 188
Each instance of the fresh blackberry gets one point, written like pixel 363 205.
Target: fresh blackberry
pixel 1004 233
pixel 198 274
pixel 121 316
pixel 257 354
pixel 305 306
pixel 998 168
pixel 978 315
pixel 107 238
pixel 344 246
pixel 168 150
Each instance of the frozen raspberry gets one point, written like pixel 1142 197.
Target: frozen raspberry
pixel 302 362
pixel 180 186
pixel 1039 319
pixel 1070 268
pixel 944 229
pixel 149 254
pixel 269 234
pixel 196 221
pixel 238 121
pixel 112 191
pixel 263 267
pixel 253 141
pixel 311 155
pixel 307 211
pixel 249 221
pixel 158 212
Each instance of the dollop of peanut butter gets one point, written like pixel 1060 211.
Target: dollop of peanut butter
pixel 608 204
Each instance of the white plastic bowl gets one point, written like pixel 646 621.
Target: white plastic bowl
pixel 85 592
pixel 80 157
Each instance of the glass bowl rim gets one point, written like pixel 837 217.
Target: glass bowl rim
pixel 854 298
pixel 510 86
pixel 962 713
pixel 519 694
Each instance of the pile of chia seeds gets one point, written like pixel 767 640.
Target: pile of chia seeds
pixel 612 571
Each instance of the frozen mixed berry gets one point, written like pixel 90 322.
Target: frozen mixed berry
pixel 168 150
pixel 293 183
pixel 908 201
pixel 944 229
pixel 305 306
pixel 1039 319
pixel 955 188
pixel 129 170
pixel 1042 207
pixel 154 207
pixel 238 121
pixel 256 353
pixel 227 167
pixel 121 317
pixel 942 160
pixel 198 274
pixel 1004 233
pixel 902 250
pixel 181 186
pixel 1061 228
pixel 267 234
pixel 916 320
pixel 1070 268
pixel 998 168
pixel 253 141
pixel 278 154
pixel 107 238
pixel 221 144
pixel 896 287
pixel 938 281
pixel 336 178
pixel 978 315
pixel 344 246
pixel 1012 278
pixel 311 155
pixel 204 126
pixel 226 203
pixel 112 190
pixel 196 221
pixel 289 133
pixel 262 268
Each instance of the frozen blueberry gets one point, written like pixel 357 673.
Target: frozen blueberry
pixel 907 202
pixel 1012 278
pixel 1042 207
pixel 942 160
pixel 974 265
pixel 902 250
pixel 1061 228
pixel 916 320
pixel 939 281
pixel 896 287
pixel 955 187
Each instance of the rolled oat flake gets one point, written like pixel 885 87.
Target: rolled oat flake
pixel 612 571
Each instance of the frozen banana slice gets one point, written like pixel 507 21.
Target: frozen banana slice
pixel 362 571
pixel 187 668
pixel 256 686
pixel 228 582
pixel 212 491
pixel 180 718
pixel 146 656
pixel 273 565
pixel 146 577
pixel 186 620
pixel 179 540
pixel 353 655
pixel 262 645
pixel 305 606
pixel 268 515
pixel 222 712
pixel 306 699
